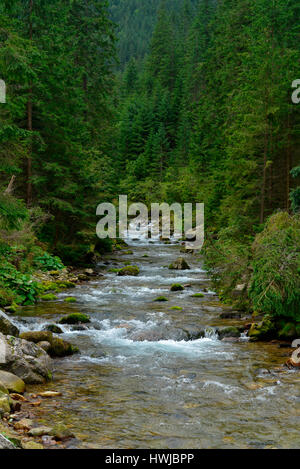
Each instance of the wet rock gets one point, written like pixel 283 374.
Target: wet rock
pixel 61 432
pixel 50 394
pixel 25 360
pixel 75 318
pixel 79 328
pixel 54 329
pixel 177 287
pixel 179 264
pixel 90 272
pixel 11 382
pixel 37 336
pixel 24 424
pixel 62 348
pixel 231 331
pixel 131 270
pixel 194 333
pixel 7 327
pixel 5 403
pixel 40 431
pixel 45 346
pixel 32 445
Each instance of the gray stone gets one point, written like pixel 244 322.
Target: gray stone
pixel 25 360
pixel 7 327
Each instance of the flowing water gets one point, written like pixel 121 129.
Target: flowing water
pixel 145 380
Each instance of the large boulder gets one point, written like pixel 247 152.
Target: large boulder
pixel 25 360
pixel 11 382
pixel 7 327
pixel 179 264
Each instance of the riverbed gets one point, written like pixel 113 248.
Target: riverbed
pixel 144 379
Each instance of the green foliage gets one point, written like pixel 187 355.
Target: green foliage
pixel 16 286
pixel 47 262
pixel 275 282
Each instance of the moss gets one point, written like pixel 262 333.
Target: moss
pixel 48 297
pixel 177 308
pixel 132 270
pixel 177 287
pixel 114 271
pixel 161 299
pixel 70 299
pixel 198 295
pixel 289 331
pixel 62 348
pixel 75 318
pixel 265 330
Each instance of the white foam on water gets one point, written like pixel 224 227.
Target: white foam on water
pixel 226 388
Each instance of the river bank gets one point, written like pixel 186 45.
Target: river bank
pixel 155 373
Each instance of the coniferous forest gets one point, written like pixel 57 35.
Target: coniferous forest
pixel 166 101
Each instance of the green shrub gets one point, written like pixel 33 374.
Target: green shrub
pixel 19 287
pixel 275 282
pixel 47 263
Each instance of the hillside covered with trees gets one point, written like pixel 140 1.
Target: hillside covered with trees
pixel 201 113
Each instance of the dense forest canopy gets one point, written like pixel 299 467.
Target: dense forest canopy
pixel 199 111
pixel 136 20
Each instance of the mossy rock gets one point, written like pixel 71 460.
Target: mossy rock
pixel 229 331
pixel 53 328
pixel 114 271
pixel 177 287
pixel 49 297
pixel 176 308
pixel 37 336
pixel 264 330
pixel 11 382
pixel 179 264
pixel 61 348
pixel 198 295
pixel 75 318
pixel 161 299
pixel 128 253
pixel 131 270
pixel 70 299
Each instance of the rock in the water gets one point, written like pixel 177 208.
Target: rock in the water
pixel 11 382
pixel 53 328
pixel 25 360
pixel 58 347
pixel 132 270
pixel 37 336
pixel 40 431
pixel 177 287
pixel 75 318
pixel 179 264
pixel 226 332
pixel 7 327
pixel 24 424
pixel 62 348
